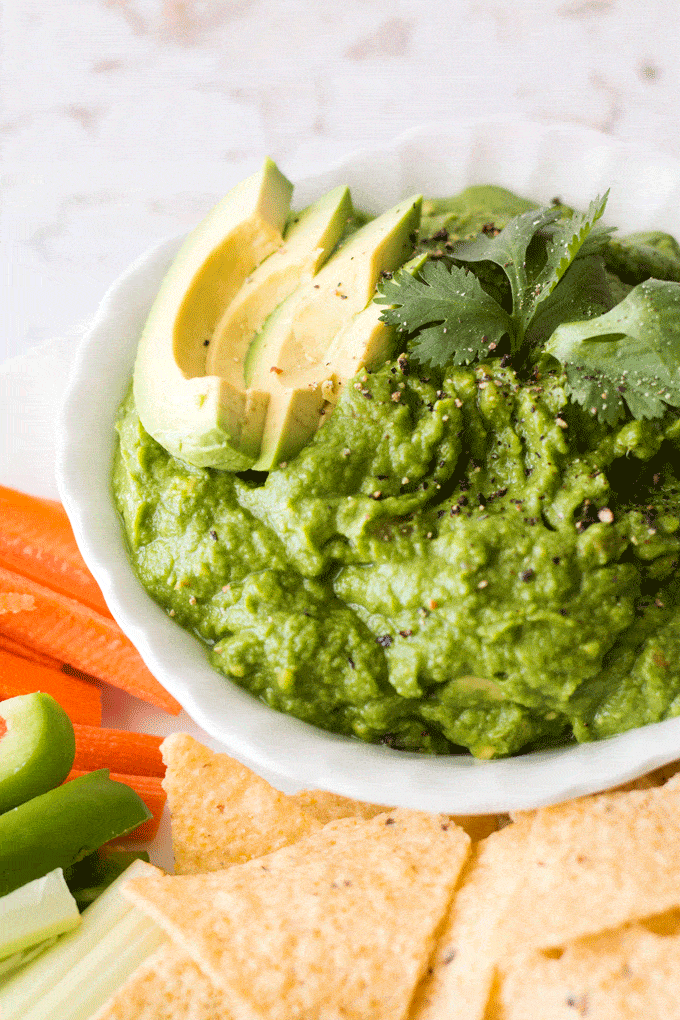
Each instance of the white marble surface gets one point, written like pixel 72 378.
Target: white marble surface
pixel 124 120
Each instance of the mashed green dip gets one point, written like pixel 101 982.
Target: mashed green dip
pixel 463 557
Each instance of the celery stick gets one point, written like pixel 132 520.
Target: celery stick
pixel 35 912
pixel 40 975
pixel 99 974
pixel 25 956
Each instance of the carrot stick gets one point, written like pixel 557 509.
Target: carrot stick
pixel 37 541
pixel 134 754
pixel 152 793
pixel 68 630
pixel 24 652
pixel 80 700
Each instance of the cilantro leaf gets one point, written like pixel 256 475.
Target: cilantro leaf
pixel 638 256
pixel 455 319
pixel 583 293
pixel 533 281
pixel 509 251
pixel 630 355
pixel 568 240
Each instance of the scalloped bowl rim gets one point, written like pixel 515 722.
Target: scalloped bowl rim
pixel 536 159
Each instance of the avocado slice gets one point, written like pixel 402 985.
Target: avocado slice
pixel 309 239
pixel 37 747
pixel 366 341
pixel 201 418
pixel 302 328
pixel 305 389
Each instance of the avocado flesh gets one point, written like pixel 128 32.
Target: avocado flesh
pixel 307 398
pixel 317 310
pixel 366 341
pixel 201 418
pixel 301 404
pixel 308 241
pixel 304 392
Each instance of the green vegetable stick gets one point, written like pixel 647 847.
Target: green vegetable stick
pixel 36 980
pixel 95 978
pixel 62 826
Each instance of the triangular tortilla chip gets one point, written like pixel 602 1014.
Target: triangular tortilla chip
pixel 594 864
pixel 460 975
pixel 167 986
pixel 629 974
pixel 222 812
pixel 340 924
pixel 327 807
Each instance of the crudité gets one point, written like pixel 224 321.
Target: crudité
pixel 71 790
pixel 479 547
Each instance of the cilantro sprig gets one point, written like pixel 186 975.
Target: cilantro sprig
pixel 534 275
pixel 456 320
pixel 629 355
pixel 626 356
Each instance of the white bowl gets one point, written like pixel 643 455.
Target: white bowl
pixel 540 161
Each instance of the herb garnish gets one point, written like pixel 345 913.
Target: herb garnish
pixel 631 354
pixel 455 318
pixel 628 354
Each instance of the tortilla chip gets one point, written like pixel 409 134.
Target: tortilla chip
pixel 326 807
pixel 459 978
pixel 594 864
pixel 629 974
pixel 167 986
pixel 645 782
pixel 222 812
pixel 340 924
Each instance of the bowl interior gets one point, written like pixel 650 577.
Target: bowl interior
pixel 540 161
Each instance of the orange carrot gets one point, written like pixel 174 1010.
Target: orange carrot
pixel 80 700
pixel 24 652
pixel 134 754
pixel 68 630
pixel 152 793
pixel 37 541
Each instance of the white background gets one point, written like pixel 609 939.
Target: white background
pixel 123 121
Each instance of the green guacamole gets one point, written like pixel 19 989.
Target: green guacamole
pixel 462 558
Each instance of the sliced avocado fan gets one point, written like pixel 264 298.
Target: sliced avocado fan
pixel 291 356
pixel 192 414
pixel 310 237
pixel 254 330
pixel 301 400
